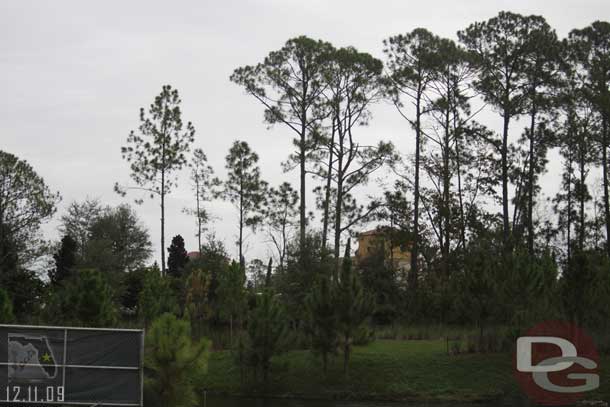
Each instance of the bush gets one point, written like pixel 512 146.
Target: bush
pixel 364 335
pixel 497 340
pixel 156 297
pixel 6 308
pixel 456 347
pixel 86 300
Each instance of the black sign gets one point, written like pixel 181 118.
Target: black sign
pixel 60 365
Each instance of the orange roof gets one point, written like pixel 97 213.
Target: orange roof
pixel 377 231
pixel 193 255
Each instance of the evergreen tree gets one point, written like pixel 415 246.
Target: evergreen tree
pixel 85 300
pixel 323 322
pixel 378 275
pixel 245 189
pixel 479 283
pixel 65 261
pixel 265 333
pixel 132 283
pixel 500 47
pixel 156 297
pixel 232 296
pixel 256 274
pixel 95 300
pixel 411 65
pixel 27 292
pixel 158 151
pixel 541 72
pixel 585 287
pixel 203 184
pixel 177 257
pixel 352 80
pixel 528 292
pixel 289 85
pixel 280 214
pixel 353 306
pixel 174 362
pixel 305 264
pixel 450 111
pixel 197 306
pixel 574 137
pixel 214 260
pixel 590 55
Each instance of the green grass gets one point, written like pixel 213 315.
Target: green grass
pixel 384 370
pixel 427 331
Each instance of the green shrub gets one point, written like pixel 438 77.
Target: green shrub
pixel 86 299
pixel 6 308
pixel 456 347
pixel 156 297
pixel 364 335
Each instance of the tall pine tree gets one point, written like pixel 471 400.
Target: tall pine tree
pixel 158 151
pixel 245 189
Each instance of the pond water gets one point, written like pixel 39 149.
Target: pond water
pixel 224 401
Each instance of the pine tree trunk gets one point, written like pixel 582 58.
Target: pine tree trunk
pixel 569 221
pixel 231 331
pixel 581 233
pixel 163 147
pixel 531 181
pixel 339 198
pixel 458 163
pixel 339 201
pixel 413 274
pixel 338 214
pixel 446 197
pixel 346 355
pixel 327 190
pixel 163 223
pixel 198 217
pixel 241 227
pixel 605 178
pixel 504 164
pixel 302 157
pixel 302 216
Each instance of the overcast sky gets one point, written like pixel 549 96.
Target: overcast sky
pixel 74 74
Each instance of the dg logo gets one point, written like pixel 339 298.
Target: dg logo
pixel 556 363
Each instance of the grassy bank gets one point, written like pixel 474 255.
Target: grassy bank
pixel 385 369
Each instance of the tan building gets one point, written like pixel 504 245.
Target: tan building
pixel 369 242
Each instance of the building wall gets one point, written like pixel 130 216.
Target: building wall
pixel 369 242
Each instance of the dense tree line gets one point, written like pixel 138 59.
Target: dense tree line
pixel 488 245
